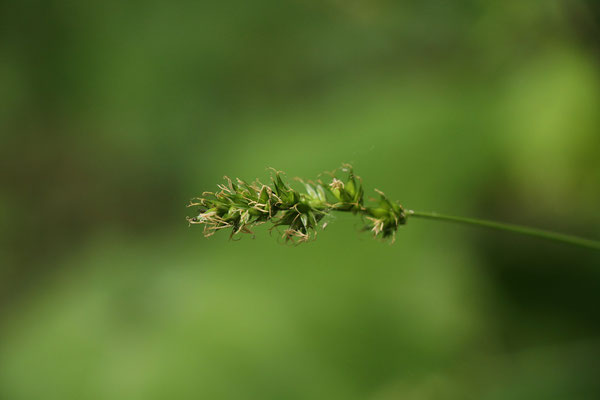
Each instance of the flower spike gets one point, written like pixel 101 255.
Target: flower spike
pixel 240 206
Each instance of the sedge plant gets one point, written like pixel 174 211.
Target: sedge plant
pixel 239 206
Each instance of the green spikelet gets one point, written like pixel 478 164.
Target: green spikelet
pixel 241 206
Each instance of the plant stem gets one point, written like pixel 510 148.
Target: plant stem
pixel 540 233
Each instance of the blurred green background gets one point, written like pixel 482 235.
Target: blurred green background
pixel 114 114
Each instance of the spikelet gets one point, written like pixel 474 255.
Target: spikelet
pixel 241 206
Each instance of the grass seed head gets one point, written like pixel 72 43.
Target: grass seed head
pixel 240 206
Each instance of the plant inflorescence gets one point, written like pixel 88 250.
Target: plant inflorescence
pixel 240 206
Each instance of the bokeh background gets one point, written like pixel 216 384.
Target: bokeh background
pixel 114 114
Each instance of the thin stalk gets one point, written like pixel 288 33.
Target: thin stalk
pixel 523 230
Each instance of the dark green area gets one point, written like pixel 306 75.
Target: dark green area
pixel 114 114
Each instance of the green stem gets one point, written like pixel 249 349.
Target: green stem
pixel 523 230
